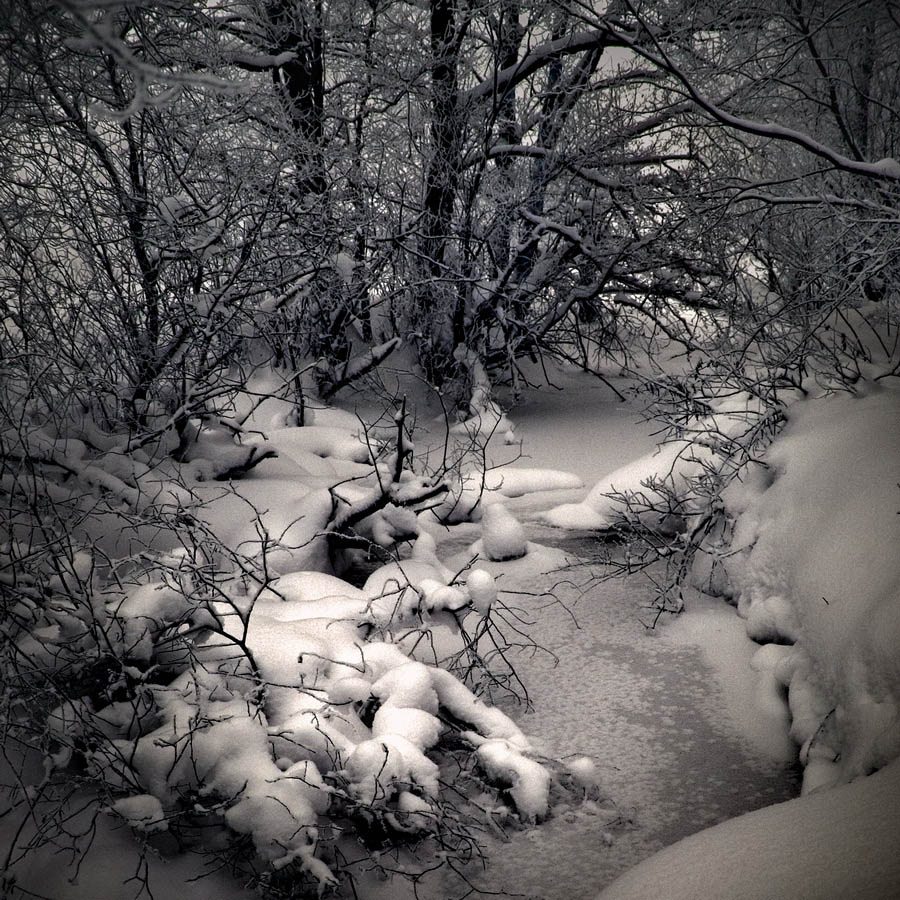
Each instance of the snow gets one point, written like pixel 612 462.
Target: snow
pixel 143 812
pixel 529 783
pixel 514 482
pixel 109 869
pixel 321 449
pixel 482 589
pixel 672 466
pixel 820 564
pixel 816 571
pixel 379 769
pixel 502 534
pixel 286 680
pixel 409 685
pixel 887 167
pixel 754 702
pixel 282 519
pixel 424 550
pixel 838 843
pixel 417 726
pixel 395 590
pixel 486 418
pixel 584 770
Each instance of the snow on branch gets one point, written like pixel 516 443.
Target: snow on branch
pixel 261 62
pixel 508 78
pixel 887 168
pixel 361 365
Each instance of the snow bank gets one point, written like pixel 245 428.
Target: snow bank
pixel 820 565
pixel 668 470
pixel 476 489
pixel 657 488
pixel 510 481
pixel 831 845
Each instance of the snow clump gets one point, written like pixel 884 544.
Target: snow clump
pixel 502 534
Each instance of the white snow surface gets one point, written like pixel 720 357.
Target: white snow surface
pixel 831 845
pixel 817 536
pixel 502 535
pixel 821 564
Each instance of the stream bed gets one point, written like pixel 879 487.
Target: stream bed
pixel 647 710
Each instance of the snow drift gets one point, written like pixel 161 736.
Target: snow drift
pixel 814 568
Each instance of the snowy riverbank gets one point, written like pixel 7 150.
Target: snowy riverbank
pixel 815 570
pixel 669 730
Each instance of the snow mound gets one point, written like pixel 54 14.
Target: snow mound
pixel 644 481
pixel 477 489
pixel 502 534
pixel 819 565
pixel 511 481
pixel 282 519
pixel 322 441
pixel 825 846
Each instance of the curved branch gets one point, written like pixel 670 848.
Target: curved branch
pixel 887 168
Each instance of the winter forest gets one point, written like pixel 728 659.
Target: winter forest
pixel 450 448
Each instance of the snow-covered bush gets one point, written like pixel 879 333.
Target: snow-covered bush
pixel 198 674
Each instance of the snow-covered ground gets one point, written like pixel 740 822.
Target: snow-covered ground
pixel 837 843
pixel 668 731
pixel 815 570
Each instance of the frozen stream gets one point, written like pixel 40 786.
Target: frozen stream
pixel 667 714
pixel 649 710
